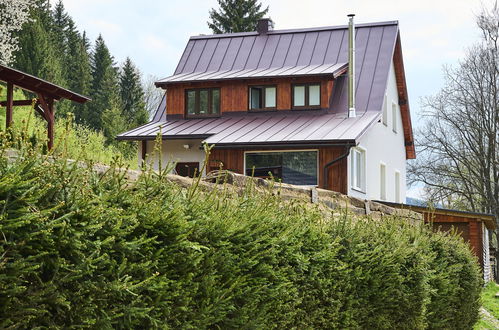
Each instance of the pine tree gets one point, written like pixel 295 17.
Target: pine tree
pixel 236 16
pixel 77 64
pixel 36 54
pixel 132 95
pixel 59 27
pixel 104 85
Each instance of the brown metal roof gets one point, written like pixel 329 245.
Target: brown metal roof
pixel 279 53
pixel 261 128
pixel 37 85
pixel 300 52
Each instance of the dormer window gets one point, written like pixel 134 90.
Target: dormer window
pixel 306 96
pixel 262 97
pixel 202 102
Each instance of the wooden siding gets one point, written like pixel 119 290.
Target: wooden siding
pixel 233 159
pixel 468 227
pixel 234 94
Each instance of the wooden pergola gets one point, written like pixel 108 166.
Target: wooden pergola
pixel 46 92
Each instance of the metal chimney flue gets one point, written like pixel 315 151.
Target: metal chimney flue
pixel 351 67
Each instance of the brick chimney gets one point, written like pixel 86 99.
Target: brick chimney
pixel 264 25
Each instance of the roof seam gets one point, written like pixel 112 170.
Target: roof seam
pixel 375 68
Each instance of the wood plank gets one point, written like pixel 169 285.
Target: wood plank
pixel 17 103
pixel 234 93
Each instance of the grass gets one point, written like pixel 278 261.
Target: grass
pixel 489 300
pixel 71 140
pixel 483 324
pixel 491 303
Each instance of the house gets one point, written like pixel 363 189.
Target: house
pixel 324 107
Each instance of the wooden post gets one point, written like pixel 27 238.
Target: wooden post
pixel 48 111
pixel 144 150
pixel 9 105
pixel 50 124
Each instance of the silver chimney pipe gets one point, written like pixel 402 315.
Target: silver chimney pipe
pixel 351 67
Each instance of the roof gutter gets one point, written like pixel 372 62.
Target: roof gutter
pixel 310 145
pixel 347 146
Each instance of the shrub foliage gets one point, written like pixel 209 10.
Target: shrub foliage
pixel 79 249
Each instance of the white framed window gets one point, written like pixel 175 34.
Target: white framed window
pixel 358 169
pixel 394 116
pixel 382 181
pixel 385 111
pixel 397 187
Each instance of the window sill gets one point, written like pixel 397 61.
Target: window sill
pixel 201 116
pixel 263 110
pixel 306 108
pixel 358 190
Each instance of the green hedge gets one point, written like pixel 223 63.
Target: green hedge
pixel 82 250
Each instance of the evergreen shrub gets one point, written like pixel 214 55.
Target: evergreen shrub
pixel 78 249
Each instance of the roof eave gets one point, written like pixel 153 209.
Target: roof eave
pixel 334 75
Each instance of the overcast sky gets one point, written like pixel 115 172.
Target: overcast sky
pixel 154 33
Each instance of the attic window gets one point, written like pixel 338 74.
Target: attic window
pixel 262 97
pixel 306 96
pixel 202 102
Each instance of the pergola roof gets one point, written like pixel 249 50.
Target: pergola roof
pixel 37 85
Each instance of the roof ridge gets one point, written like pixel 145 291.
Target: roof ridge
pixel 286 31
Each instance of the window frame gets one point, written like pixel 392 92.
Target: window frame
pixel 285 150
pixel 397 186
pixel 353 172
pixel 307 105
pixel 382 181
pixel 209 112
pixel 394 117
pixel 385 110
pixel 263 87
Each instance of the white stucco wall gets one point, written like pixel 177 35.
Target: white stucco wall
pixel 382 145
pixel 173 151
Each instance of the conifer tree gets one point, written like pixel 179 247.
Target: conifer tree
pixel 236 16
pixel 77 65
pixel 104 85
pixel 132 95
pixel 36 54
pixel 59 27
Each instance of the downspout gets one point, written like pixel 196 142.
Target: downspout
pixel 347 146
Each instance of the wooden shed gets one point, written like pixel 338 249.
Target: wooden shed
pixel 475 228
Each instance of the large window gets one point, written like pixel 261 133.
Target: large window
pixel 306 96
pixel 293 167
pixel 262 97
pixel 358 169
pixel 202 102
